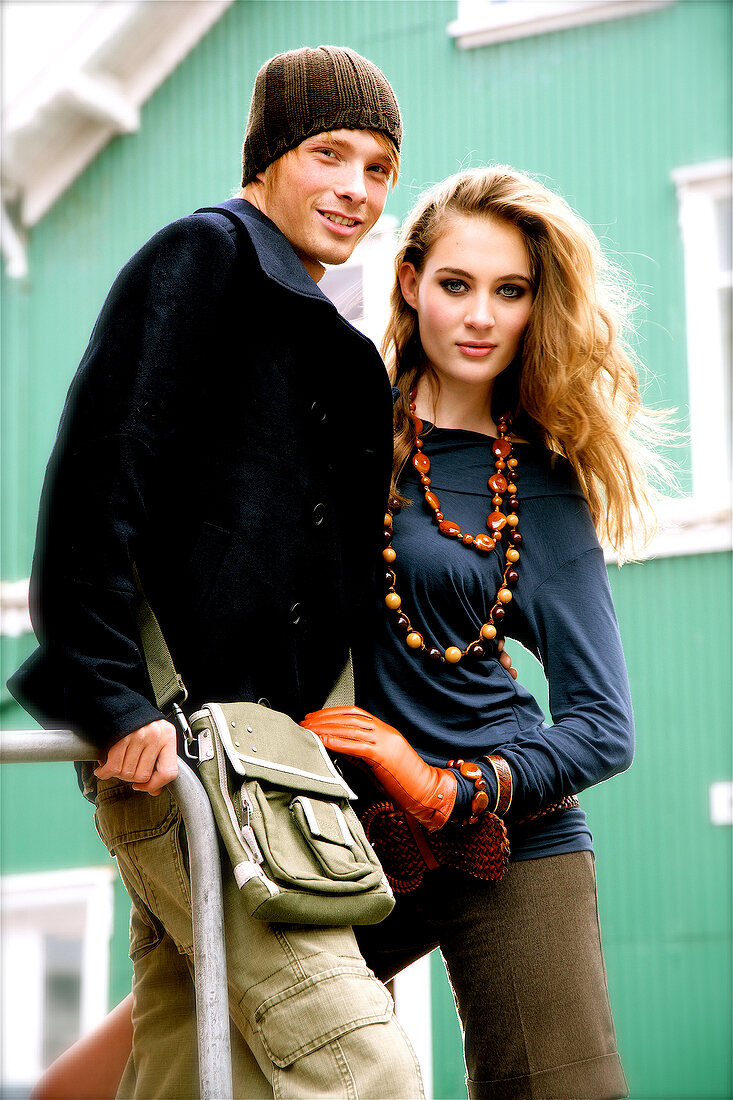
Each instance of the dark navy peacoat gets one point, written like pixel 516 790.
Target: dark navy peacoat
pixel 230 433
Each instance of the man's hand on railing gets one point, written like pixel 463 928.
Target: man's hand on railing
pixel 146 758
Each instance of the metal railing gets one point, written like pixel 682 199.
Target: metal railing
pixel 212 1004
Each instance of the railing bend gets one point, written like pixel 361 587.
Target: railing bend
pixel 212 1005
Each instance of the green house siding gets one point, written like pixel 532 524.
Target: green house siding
pixel 604 112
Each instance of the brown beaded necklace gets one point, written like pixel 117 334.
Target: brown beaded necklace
pixel 497 522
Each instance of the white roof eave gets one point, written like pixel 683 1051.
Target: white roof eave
pixel 91 91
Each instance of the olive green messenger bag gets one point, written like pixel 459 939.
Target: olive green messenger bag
pixel 297 849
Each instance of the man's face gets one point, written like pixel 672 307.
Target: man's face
pixel 327 193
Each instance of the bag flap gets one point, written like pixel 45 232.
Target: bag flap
pixel 268 745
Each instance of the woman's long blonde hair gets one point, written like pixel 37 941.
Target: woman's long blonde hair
pixel 573 386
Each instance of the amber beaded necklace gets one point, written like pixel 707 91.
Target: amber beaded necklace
pixel 501 483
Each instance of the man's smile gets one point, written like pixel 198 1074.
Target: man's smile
pixel 341 220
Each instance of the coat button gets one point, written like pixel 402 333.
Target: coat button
pixel 296 613
pixel 318 413
pixel 319 514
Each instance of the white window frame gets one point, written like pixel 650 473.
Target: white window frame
pixel 698 189
pixel 703 522
pixel 77 902
pixel 15 616
pixel 485 22
pixel 413 1008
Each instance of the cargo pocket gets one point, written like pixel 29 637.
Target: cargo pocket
pixel 317 1010
pixel 145 931
pixel 147 837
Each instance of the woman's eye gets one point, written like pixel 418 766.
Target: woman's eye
pixel 380 169
pixel 511 291
pixel 453 286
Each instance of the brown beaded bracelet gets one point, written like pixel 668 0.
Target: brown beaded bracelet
pixel 504 783
pixel 480 800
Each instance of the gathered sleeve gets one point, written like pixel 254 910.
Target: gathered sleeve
pixel 568 621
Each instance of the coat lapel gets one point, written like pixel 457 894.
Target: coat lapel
pixel 275 254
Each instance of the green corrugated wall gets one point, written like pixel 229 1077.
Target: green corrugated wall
pixel 604 112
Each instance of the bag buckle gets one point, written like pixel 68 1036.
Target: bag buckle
pixel 180 720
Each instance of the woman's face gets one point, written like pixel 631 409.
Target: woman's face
pixel 473 299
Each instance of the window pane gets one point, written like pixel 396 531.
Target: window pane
pixel 724 219
pixel 62 1014
pixel 345 287
pixel 726 326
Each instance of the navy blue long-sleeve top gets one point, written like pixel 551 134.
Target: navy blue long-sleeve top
pixel 562 612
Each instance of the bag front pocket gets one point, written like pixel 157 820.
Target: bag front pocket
pixel 322 842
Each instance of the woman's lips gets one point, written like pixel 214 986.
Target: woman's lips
pixel 476 351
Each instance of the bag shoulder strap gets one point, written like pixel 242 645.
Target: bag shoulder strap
pixel 169 688
pixel 342 692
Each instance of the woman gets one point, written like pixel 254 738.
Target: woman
pixel 517 444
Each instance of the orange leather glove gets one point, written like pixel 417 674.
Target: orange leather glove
pixel 426 792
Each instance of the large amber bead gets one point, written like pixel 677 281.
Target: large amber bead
pixel 421 463
pixel 433 501
pixel 414 640
pixel 497 483
pixel 495 521
pixel 453 654
pixel 484 542
pixel 393 601
pixel 500 448
pixel 449 528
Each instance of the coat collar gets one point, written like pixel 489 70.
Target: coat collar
pixel 275 254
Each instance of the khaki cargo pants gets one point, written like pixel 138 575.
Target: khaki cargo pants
pixel 309 1019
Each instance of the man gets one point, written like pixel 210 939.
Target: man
pixel 228 434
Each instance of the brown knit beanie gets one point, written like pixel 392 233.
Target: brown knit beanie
pixel 306 92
